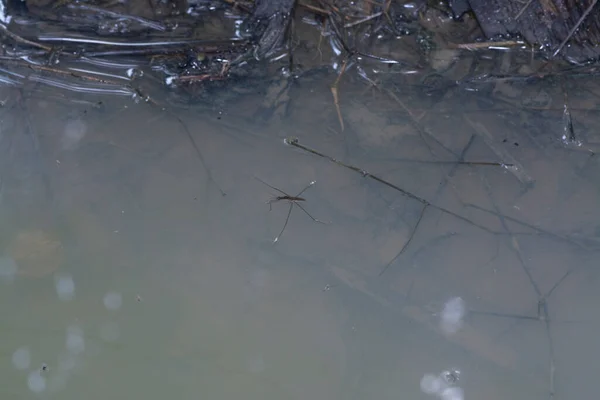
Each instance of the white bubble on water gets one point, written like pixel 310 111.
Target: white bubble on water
pixel 113 300
pixel 431 384
pixel 21 358
pixel 452 393
pixel 8 269
pixel 75 130
pixel 75 342
pixel 36 382
pixel 110 332
pixel 452 315
pixel 65 287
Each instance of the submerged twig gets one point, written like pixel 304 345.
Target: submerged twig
pixel 513 239
pixel 294 142
pixel 527 225
pixel 410 238
pixel 543 316
pixel 516 169
pixel 415 121
pixel 198 153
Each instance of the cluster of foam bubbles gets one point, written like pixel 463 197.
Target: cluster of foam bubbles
pixel 40 378
pixel 441 387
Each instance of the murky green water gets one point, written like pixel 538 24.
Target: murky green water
pixel 126 273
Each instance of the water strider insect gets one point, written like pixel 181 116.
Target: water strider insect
pixel 293 200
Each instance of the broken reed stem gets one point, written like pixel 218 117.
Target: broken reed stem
pixel 410 238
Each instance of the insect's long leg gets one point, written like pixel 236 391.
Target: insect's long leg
pixel 286 222
pixel 311 217
pixel 274 188
pixel 304 190
pixel 273 200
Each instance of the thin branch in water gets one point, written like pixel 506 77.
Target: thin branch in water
pixel 450 174
pixel 528 225
pixel 198 153
pixel 513 239
pixel 517 170
pixel 574 29
pixel 517 248
pixel 523 9
pixel 540 316
pixel 543 316
pixel 294 142
pixel 410 238
pixel 415 121
pixel 504 315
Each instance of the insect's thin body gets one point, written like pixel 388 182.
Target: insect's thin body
pixel 293 200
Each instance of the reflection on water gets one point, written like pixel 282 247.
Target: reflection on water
pixel 137 256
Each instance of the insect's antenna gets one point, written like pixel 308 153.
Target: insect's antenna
pixel 272 187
